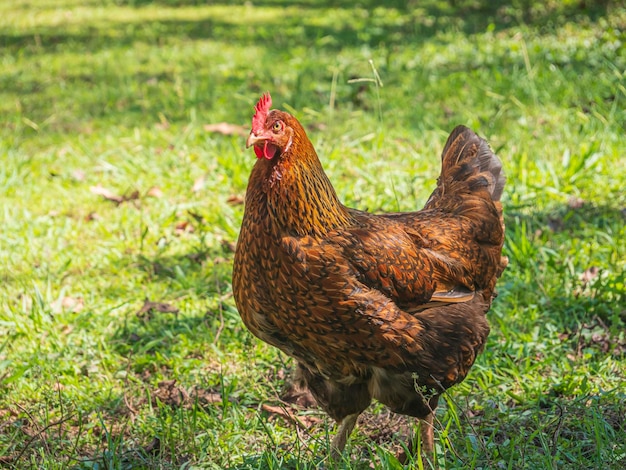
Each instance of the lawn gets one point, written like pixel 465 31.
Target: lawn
pixel 120 205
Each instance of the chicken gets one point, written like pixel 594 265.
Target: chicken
pixel 388 306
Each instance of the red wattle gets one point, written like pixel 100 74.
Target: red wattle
pixel 269 150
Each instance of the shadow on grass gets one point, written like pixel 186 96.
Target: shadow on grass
pixel 109 93
pixel 158 324
pixel 541 242
pixel 419 21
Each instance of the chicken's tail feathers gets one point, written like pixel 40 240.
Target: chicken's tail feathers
pixel 471 184
pixel 469 165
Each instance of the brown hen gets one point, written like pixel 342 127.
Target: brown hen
pixel 388 306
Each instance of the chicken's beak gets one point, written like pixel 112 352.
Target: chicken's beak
pixel 253 139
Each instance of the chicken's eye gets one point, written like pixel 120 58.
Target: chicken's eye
pixel 277 126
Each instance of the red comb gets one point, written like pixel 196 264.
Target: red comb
pixel 261 110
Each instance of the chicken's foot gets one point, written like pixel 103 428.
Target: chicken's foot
pixel 345 429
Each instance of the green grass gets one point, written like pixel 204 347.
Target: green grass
pixel 115 94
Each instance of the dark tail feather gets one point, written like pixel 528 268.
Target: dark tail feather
pixel 471 183
pixel 468 165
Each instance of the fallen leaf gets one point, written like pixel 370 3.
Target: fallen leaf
pixel 227 129
pixel 155 192
pixel 575 202
pixel 107 194
pixel 303 422
pixel 67 329
pixel 111 196
pixel 154 447
pixel 132 196
pixel 168 393
pixel 156 306
pixel 278 410
pixel 589 275
pixel 73 304
pixel 78 175
pixel 198 184
pixel 182 227
pixel 68 304
pixel 206 397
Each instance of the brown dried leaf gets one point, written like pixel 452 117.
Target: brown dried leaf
pixel 111 196
pixel 206 397
pixel 183 226
pixel 68 304
pixel 198 184
pixel 132 196
pixel 226 128
pixel 92 216
pixel 155 192
pixel 168 393
pixel 575 202
pixel 73 304
pixel 154 447
pixel 67 329
pixel 156 306
pixel 78 175
pixel 589 275
pixel 278 410
pixel 107 194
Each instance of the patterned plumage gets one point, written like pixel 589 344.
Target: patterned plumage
pixel 370 306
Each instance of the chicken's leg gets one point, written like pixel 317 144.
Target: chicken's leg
pixel 427 434
pixel 427 442
pixel 345 429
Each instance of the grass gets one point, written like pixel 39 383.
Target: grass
pixel 113 96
